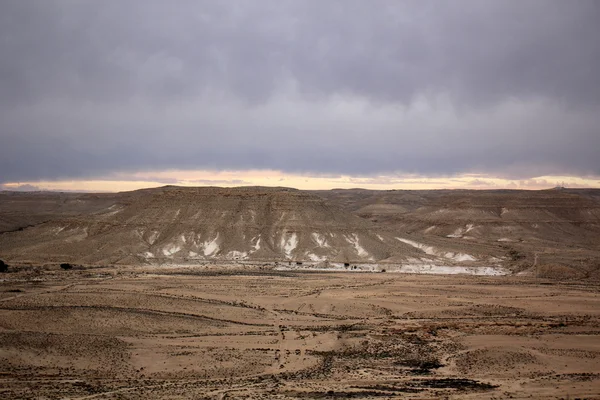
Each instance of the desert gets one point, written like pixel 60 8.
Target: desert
pixel 86 313
pixel 299 199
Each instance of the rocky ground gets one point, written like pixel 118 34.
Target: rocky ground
pixel 232 332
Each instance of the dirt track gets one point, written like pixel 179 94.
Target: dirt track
pixel 149 333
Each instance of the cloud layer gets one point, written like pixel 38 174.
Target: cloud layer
pixel 93 88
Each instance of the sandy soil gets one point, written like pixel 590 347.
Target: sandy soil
pixel 145 333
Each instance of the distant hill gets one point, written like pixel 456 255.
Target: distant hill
pixel 519 230
pixel 544 227
pixel 187 224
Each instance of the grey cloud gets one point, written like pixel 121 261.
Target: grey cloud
pixel 88 88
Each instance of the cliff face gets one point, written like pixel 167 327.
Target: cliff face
pixel 186 224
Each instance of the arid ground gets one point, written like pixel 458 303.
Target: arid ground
pixel 214 333
pixel 275 293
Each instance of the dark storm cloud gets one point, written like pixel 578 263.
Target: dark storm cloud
pixel 504 87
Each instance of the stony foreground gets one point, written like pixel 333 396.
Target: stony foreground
pixel 138 333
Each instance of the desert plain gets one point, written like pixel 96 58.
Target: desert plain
pixel 215 333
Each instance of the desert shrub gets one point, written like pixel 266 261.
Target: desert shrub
pixel 514 255
pixel 3 266
pixel 66 266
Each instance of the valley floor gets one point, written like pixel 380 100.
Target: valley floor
pixel 145 333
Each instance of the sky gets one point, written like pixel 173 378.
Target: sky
pixel 315 94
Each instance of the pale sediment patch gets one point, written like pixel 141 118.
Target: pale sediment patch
pixel 236 255
pixel 111 213
pixel 153 236
pixel 459 232
pixel 316 258
pixel 257 244
pixel 460 257
pixel 429 229
pixel 289 245
pixel 77 235
pixel 449 270
pixel 319 239
pixel 424 248
pixel 353 240
pixel 432 251
pixel 211 247
pixel 169 251
pixel 333 267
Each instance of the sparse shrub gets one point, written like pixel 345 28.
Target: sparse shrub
pixel 3 266
pixel 66 266
pixel 514 255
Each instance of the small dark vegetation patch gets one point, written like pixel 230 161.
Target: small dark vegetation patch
pixel 390 388
pixel 66 266
pixel 87 388
pixel 515 255
pixel 3 266
pixel 419 366
pixel 452 383
pixel 15 291
pixel 338 394
pixel 579 377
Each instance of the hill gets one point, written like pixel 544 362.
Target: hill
pixel 547 233
pixel 541 229
pixel 186 224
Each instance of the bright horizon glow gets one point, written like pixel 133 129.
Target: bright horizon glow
pixel 140 180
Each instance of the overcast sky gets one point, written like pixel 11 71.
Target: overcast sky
pixel 94 89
